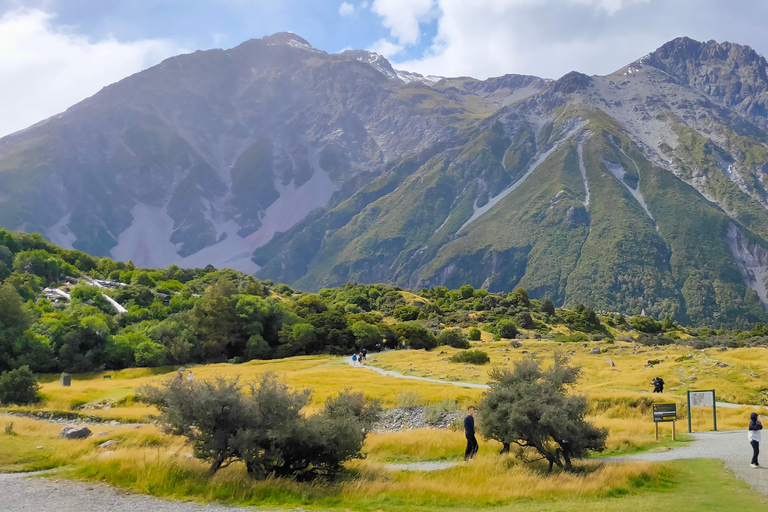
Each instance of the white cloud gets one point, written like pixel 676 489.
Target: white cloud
pixel 402 17
pixel 46 69
pixel 547 38
pixel 346 9
pixel 385 48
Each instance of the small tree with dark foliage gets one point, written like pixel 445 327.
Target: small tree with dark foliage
pixel 265 428
pixel 453 338
pixel 536 410
pixel 19 387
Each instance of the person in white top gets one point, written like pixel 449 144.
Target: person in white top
pixel 754 438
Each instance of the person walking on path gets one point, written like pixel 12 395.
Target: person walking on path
pixel 354 359
pixel 754 438
pixel 469 432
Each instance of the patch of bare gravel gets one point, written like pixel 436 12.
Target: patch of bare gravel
pixel 22 493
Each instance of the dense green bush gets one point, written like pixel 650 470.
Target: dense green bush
pixel 453 338
pixel 471 357
pixel 18 387
pixel 265 427
pixel 406 313
pixel 506 329
pixel 416 336
pixel 474 334
pixel 574 337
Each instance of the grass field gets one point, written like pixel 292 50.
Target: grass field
pixel 149 461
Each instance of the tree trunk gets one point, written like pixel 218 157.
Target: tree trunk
pixel 505 448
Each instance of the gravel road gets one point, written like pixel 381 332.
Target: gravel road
pixel 21 493
pixel 730 446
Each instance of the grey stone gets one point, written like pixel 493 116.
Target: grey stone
pixel 75 433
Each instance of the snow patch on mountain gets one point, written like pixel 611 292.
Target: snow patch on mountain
pixel 60 234
pixel 479 211
pixel 146 241
pixel 618 171
pixel 583 170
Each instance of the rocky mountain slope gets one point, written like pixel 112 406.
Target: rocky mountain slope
pixel 640 190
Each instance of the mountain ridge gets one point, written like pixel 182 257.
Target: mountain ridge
pixel 639 190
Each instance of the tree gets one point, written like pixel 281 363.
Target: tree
pixel 14 320
pixel 524 320
pixel 415 335
pixel 18 387
pixel 536 410
pixel 366 335
pixel 547 306
pixel 264 428
pixel 506 329
pixel 466 291
pixel 406 313
pixel 453 338
pixel 149 353
pixel 474 334
pixel 520 297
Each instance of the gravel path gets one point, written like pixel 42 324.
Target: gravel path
pixel 730 446
pixel 20 493
pixel 422 466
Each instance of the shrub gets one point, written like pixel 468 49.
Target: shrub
pixel 645 324
pixel 264 428
pixel 506 329
pixel 536 410
pixel 453 338
pixel 471 357
pixel 406 313
pixel 415 335
pixel 410 399
pixel 149 353
pixel 524 320
pixel 650 341
pixel 19 387
pixel 474 334
pixel 466 291
pixel 571 338
pixel 547 306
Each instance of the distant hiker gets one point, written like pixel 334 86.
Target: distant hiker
pixel 365 354
pixel 360 358
pixel 378 348
pixel 754 438
pixel 179 376
pixel 402 344
pixel 469 433
pixel 354 359
pixel 190 376
pixel 658 384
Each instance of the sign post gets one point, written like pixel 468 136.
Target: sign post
pixel 702 398
pixel 664 412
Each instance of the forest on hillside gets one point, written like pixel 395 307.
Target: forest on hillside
pixel 63 310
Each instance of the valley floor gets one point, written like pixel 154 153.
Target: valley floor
pixel 686 477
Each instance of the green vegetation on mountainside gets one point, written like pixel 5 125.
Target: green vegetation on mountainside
pixel 176 316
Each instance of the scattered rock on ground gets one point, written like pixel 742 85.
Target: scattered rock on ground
pixel 75 433
pixel 595 350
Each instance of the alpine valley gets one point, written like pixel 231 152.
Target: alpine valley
pixel 642 190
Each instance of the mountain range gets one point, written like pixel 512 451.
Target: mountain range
pixel 640 191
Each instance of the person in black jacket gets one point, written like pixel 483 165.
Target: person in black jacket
pixel 754 438
pixel 469 432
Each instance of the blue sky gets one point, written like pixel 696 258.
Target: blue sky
pixel 54 53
